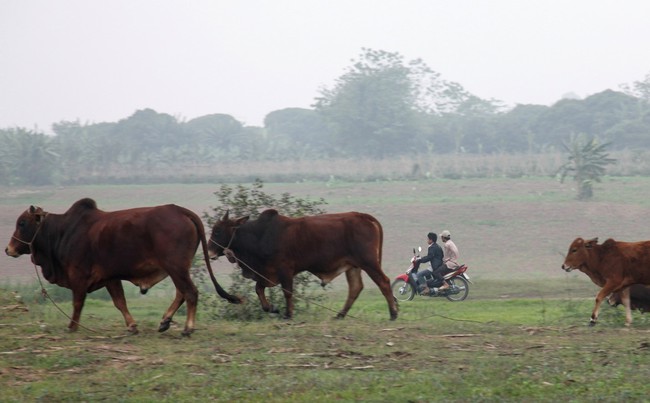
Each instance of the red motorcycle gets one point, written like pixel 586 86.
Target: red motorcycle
pixel 405 285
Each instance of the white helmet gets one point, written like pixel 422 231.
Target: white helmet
pixel 445 234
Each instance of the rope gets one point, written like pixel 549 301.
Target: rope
pixel 46 295
pixel 230 253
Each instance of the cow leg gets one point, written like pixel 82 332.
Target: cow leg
pixel 192 299
pixel 287 288
pixel 169 314
pixel 78 299
pixel 625 298
pixel 383 283
pixel 355 285
pixel 116 292
pixel 185 292
pixel 607 289
pixel 260 291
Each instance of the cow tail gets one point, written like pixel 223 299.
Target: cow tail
pixel 204 244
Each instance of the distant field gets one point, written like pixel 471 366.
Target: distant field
pixel 504 228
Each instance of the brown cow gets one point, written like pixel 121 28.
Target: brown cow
pixel 273 249
pixel 86 249
pixel 636 296
pixel 612 265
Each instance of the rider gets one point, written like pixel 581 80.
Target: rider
pixel 434 256
pixel 450 260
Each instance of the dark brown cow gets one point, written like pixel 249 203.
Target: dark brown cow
pixel 86 249
pixel 273 249
pixel 636 296
pixel 613 265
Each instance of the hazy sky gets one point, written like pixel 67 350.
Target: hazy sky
pixel 97 61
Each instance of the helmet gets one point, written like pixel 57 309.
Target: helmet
pixel 445 234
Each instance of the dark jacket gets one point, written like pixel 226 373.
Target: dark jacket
pixel 434 255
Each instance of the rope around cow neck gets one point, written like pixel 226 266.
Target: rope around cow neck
pixel 44 292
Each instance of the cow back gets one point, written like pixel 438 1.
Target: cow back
pixel 89 245
pixel 321 241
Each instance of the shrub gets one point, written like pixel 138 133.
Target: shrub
pixel 239 201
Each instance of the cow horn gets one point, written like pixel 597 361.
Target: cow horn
pixel 225 216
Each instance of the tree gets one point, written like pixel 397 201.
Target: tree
pixel 27 158
pixel 586 163
pixel 516 130
pixel 297 131
pixel 370 109
pixel 217 130
pixel 145 133
pixel 377 107
pixel 86 150
pixel 639 89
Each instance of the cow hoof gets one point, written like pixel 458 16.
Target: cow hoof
pixel 340 316
pixel 132 329
pixel 393 316
pixel 164 325
pixel 187 333
pixel 592 323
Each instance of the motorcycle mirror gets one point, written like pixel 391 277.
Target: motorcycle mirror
pixel 414 251
pixel 419 249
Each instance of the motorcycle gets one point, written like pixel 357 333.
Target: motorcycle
pixel 405 285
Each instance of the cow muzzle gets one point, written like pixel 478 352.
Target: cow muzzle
pixel 11 251
pixel 567 268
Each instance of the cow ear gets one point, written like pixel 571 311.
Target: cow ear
pixel 225 216
pixel 591 243
pixel 242 220
pixel 32 209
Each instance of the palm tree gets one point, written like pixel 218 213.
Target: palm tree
pixel 587 161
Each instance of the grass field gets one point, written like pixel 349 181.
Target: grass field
pixel 520 336
pixel 491 350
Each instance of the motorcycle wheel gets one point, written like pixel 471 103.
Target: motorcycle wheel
pixel 462 289
pixel 402 291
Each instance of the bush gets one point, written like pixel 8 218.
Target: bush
pixel 240 201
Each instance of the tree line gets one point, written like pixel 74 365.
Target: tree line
pixel 381 107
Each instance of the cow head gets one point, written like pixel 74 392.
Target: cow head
pixel 578 254
pixel 223 234
pixel 27 226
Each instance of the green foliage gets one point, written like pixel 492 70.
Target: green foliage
pixel 639 89
pixel 297 132
pixel 380 104
pixel 27 157
pixel 586 163
pixel 240 201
